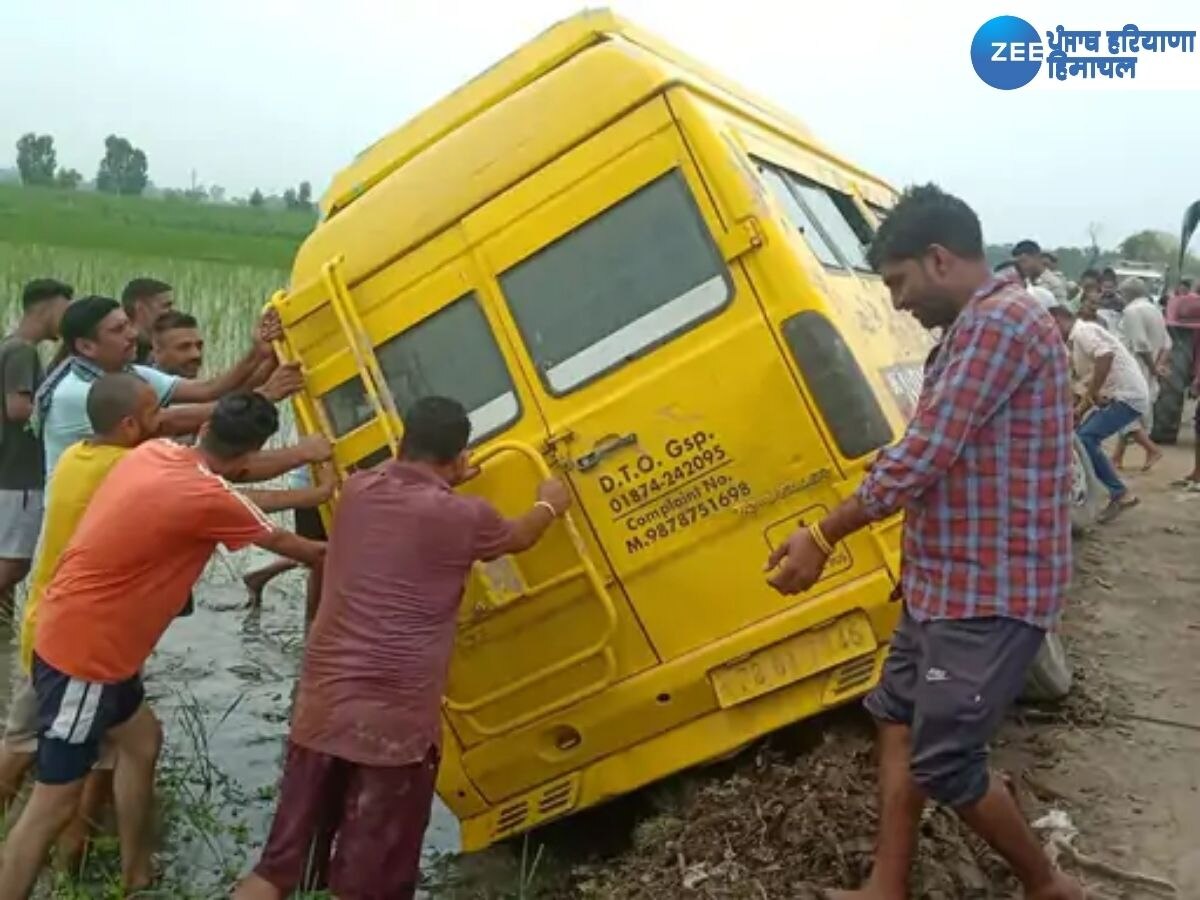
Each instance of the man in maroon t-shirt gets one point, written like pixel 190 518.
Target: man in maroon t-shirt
pixel 363 752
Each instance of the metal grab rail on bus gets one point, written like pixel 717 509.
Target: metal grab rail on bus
pixel 600 647
pixel 373 381
pixel 309 414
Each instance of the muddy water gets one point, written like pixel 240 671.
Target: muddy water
pixel 221 682
pixel 236 671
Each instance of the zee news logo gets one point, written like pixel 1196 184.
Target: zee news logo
pixel 1007 52
pixel 1003 52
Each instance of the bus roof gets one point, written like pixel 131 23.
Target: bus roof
pixel 530 62
pixel 489 134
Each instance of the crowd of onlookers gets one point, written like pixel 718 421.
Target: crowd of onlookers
pixel 1121 340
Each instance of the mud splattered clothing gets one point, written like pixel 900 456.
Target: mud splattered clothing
pixel 366 732
pixel 375 817
pixel 402 544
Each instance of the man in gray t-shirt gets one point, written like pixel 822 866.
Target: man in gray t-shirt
pixel 22 475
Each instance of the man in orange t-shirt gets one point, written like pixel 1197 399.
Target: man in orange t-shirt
pixel 111 598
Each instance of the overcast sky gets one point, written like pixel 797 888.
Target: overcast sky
pixel 267 93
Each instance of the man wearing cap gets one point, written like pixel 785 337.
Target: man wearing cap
pixel 99 338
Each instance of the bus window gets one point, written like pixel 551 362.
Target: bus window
pixel 618 285
pixel 832 217
pixel 798 215
pixel 426 360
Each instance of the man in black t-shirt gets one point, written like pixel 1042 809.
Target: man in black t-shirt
pixel 22 475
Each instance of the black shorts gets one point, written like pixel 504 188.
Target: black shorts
pixel 952 681
pixel 73 717
pixel 309 524
pixel 1196 422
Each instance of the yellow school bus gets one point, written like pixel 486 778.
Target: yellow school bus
pixel 638 276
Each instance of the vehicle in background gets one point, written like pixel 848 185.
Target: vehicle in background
pixel 1154 275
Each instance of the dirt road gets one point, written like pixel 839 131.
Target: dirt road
pixel 1133 783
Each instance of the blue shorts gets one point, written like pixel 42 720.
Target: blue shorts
pixel 952 681
pixel 73 717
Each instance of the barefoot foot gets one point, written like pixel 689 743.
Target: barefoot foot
pixel 1063 887
pixel 254 584
pixel 143 878
pixel 254 887
pixel 864 893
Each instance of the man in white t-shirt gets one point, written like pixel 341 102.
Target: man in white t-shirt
pixel 1144 331
pixel 1115 396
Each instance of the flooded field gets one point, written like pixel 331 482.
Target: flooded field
pixel 221 682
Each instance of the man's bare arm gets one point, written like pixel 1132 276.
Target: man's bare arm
pixel 286 498
pixel 267 464
pixel 796 564
pixel 261 374
pixel 189 391
pixel 1103 366
pixel 528 529
pixel 186 419
pixel 1162 363
pixel 295 498
pixel 18 406
pixel 847 518
pixel 553 500
pixel 279 382
pixel 292 546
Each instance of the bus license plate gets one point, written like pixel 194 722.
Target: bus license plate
pixel 794 659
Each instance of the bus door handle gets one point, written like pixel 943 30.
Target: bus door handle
pixel 602 448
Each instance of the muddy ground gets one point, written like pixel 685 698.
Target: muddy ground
pixel 789 816
pixel 796 814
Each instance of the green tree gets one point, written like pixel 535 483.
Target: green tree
pixel 68 179
pixel 289 199
pixel 256 197
pixel 36 159
pixel 304 195
pixel 124 168
pixel 1150 246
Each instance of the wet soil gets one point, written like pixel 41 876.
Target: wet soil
pixel 796 814
pixel 222 682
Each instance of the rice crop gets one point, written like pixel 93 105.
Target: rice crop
pixel 224 263
pixel 225 298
